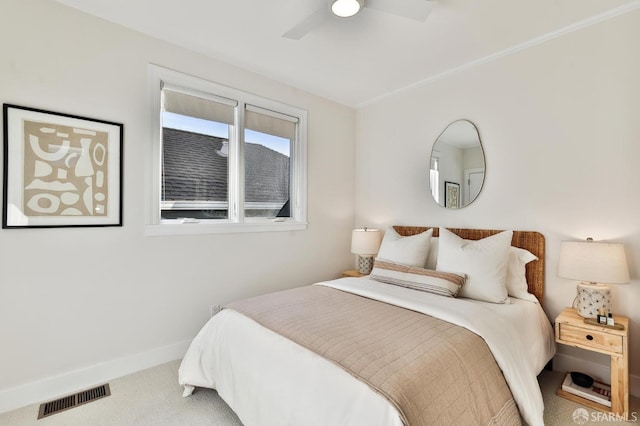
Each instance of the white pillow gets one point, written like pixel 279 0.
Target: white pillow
pixel 516 274
pixel 412 250
pixel 432 259
pixel 516 281
pixel 483 261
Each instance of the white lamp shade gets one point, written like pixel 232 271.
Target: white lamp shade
pixel 365 242
pixel 345 8
pixel 593 262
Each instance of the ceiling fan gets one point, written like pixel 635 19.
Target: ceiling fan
pixel 413 9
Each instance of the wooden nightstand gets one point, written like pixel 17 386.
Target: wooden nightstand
pixel 353 273
pixel 571 330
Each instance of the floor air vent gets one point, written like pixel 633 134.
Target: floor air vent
pixel 67 402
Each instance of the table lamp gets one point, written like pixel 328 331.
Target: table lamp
pixel 365 243
pixel 593 263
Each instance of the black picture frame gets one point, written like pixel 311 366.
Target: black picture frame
pixel 60 170
pixel 451 195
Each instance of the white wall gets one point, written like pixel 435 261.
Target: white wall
pixel 81 304
pixel 450 168
pixel 559 122
pixel 472 158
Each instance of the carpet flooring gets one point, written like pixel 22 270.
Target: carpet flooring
pixel 153 398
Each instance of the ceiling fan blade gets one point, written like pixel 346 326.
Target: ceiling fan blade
pixel 309 23
pixel 417 10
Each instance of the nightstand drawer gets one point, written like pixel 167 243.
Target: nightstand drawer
pixel 591 338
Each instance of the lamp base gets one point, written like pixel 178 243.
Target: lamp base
pixel 591 298
pixel 365 264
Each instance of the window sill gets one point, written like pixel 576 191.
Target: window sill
pixel 176 228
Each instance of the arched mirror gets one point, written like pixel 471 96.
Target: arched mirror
pixel 457 166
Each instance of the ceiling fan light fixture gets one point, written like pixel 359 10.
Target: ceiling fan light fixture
pixel 345 8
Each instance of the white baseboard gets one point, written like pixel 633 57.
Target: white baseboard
pixel 563 363
pixel 76 380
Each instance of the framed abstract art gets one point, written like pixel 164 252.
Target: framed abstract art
pixel 60 170
pixel 451 195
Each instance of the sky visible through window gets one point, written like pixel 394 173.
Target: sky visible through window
pixel 221 130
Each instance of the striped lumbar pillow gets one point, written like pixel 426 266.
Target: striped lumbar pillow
pixel 438 282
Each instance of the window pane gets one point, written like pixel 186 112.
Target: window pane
pixel 267 174
pixel 195 167
pixel 222 153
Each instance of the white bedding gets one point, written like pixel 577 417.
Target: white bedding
pixel 262 375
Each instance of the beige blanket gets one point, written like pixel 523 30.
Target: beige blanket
pixel 433 372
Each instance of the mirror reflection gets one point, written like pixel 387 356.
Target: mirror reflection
pixel 457 166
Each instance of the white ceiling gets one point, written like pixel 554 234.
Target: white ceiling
pixel 355 60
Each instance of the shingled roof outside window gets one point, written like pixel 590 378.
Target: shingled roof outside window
pixel 195 177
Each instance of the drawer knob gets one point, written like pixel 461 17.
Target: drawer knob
pixel 589 337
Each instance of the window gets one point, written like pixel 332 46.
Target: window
pixel 434 177
pixel 223 160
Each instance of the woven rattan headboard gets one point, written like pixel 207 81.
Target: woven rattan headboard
pixel 532 241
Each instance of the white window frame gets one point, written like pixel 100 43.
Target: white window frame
pixel 434 176
pixel 236 221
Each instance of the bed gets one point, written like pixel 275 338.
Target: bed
pixel 362 351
